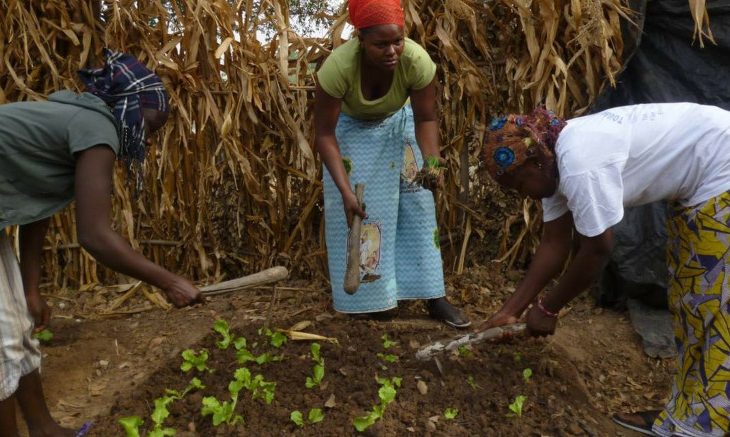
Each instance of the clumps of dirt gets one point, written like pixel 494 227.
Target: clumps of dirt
pixel 480 383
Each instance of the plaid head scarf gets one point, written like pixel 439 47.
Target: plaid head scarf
pixel 514 139
pixel 127 87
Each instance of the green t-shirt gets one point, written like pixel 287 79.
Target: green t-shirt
pixel 339 77
pixel 38 141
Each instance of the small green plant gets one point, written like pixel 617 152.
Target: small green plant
pixel 472 383
pixel 275 337
pixel 464 351
pixel 317 369
pixel 527 374
pixel 221 326
pixel 239 343
pixel 192 360
pixel 244 355
pixel 517 357
pixel 387 342
pixel 315 416
pixel 259 388
pixel 433 162
pixel 44 336
pixel 224 412
pixel 390 358
pixel 347 162
pixel 160 413
pixel 297 418
pixel 268 358
pixel 450 413
pixel 516 406
pixel 221 411
pixel 158 416
pixel 131 425
pixel 386 393
pixel 436 238
pixel 194 384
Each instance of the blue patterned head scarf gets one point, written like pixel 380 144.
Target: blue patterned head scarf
pixel 127 86
pixel 514 139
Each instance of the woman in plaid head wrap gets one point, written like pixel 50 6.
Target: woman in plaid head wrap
pixel 51 153
pixel 366 132
pixel 586 172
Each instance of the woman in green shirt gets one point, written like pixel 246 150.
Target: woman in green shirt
pixel 366 133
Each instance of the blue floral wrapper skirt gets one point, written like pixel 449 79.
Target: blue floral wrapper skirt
pixel 400 257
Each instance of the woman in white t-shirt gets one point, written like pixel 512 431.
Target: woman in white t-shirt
pixel 586 171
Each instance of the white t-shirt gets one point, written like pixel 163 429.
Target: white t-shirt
pixel 633 155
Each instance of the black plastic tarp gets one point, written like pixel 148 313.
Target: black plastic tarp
pixel 664 63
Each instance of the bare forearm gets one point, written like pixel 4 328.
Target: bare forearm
pixel 113 251
pixel 547 263
pixel 583 270
pixel 427 137
pixel 332 159
pixel 32 237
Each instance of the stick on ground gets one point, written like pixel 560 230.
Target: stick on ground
pixel 497 333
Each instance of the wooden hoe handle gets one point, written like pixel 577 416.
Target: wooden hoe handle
pixel 352 274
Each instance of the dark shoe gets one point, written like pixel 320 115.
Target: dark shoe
pixel 381 316
pixel 641 421
pixel 441 309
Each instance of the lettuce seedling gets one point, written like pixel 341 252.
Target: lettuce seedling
pixel 239 343
pixel 221 411
pixel 192 360
pixel 297 418
pixel 158 416
pixel 224 411
pixel 472 383
pixel 347 163
pixel 221 326
pixel 433 162
pixel 390 358
pixel 317 369
pixel 268 358
pixel 386 393
pixel 315 415
pixel 131 425
pixel 259 388
pixel 194 384
pixel 277 338
pixel 243 356
pixel 516 406
pixel 44 336
pixel 387 342
pixel 527 374
pixel 450 413
pixel 464 351
pixel 159 413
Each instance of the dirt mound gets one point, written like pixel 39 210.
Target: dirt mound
pixel 479 383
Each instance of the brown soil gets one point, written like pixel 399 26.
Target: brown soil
pixel 106 369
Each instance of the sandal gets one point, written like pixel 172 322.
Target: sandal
pixel 641 421
pixel 441 309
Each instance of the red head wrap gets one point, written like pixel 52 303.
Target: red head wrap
pixel 368 13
